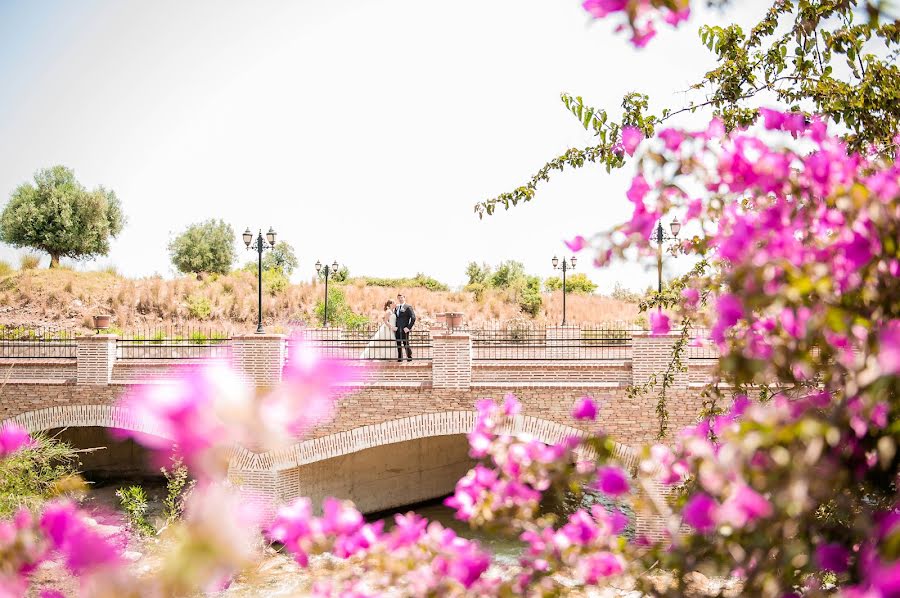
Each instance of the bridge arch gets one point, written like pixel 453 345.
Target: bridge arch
pixel 82 416
pixel 443 423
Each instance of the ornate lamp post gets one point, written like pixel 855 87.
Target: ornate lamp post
pixel 330 271
pixel 659 236
pixel 260 245
pixel 564 268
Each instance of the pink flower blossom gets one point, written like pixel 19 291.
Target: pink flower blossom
pixel 832 557
pixel 659 322
pixel 889 348
pixel 612 481
pixel 744 506
pixel 603 8
pixel 12 438
pixel 595 567
pixel 700 512
pixel 576 244
pixel 631 138
pixel 691 297
pixel 585 409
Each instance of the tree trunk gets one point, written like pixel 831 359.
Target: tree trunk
pixel 54 260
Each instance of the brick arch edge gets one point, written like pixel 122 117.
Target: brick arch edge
pixel 415 427
pixel 82 416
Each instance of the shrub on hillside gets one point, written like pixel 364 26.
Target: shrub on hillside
pixel 274 281
pixel 29 261
pixel 6 268
pixel 339 313
pixel 620 293
pixel 418 281
pixel 199 307
pixel 575 283
pixel 204 247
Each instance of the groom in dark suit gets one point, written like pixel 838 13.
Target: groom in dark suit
pixel 406 319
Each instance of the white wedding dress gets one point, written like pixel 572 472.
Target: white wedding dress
pixel 384 344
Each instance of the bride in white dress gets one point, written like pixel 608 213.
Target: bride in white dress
pixel 384 344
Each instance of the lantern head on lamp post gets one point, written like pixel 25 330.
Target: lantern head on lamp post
pixel 329 272
pixel 564 266
pixel 260 245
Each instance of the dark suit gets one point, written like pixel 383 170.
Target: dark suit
pixel 406 318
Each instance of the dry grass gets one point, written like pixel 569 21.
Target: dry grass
pixel 67 299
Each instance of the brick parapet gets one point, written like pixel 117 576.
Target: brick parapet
pixel 59 369
pixel 451 359
pixel 259 358
pixel 96 356
pixel 650 357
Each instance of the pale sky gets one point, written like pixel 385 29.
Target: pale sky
pixel 364 131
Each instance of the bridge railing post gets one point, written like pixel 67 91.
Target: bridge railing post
pixel 563 342
pixel 651 355
pixel 451 359
pixel 259 357
pixel 96 355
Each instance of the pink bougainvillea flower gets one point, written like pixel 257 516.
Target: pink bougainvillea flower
pixel 83 548
pixel 643 35
pixel 638 190
pixel 659 322
pixel 12 438
pixel 744 506
pixel 730 311
pixel 691 297
pixel 595 567
pixel 576 244
pixel 700 512
pixel 889 348
pixel 832 557
pixel 674 17
pixel 612 481
pixel 602 8
pixel 772 119
pixel 673 138
pixel 631 138
pixel 585 408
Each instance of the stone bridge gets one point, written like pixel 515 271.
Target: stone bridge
pixel 398 437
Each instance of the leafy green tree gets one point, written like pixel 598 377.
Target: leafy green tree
pixel 281 258
pixel 811 56
pixel 342 274
pixel 58 215
pixel 575 283
pixel 478 274
pixel 506 274
pixel 528 295
pixel 204 247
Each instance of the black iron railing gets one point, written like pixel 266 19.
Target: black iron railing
pixel 586 343
pixel 363 342
pixel 28 343
pixel 174 344
pixel 700 347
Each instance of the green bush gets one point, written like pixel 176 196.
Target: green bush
pixel 628 296
pixel 575 283
pixel 274 281
pixel 178 488
pixel 477 289
pixel 33 474
pixel 134 502
pixel 418 281
pixel 199 307
pixel 339 313
pixel 529 296
pixel 478 274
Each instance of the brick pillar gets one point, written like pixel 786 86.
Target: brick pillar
pixel 451 362
pixel 259 357
pixel 96 355
pixel 652 354
pixel 563 342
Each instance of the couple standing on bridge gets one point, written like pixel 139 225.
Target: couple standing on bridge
pixel 397 321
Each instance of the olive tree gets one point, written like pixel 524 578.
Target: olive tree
pixel 204 247
pixel 56 214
